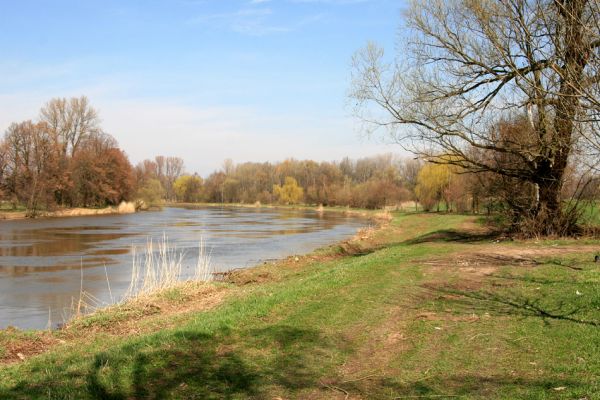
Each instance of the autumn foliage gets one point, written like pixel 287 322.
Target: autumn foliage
pixel 63 159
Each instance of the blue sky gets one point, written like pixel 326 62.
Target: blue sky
pixel 251 80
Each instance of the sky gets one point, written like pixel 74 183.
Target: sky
pixel 204 80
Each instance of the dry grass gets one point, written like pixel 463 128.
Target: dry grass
pixel 123 208
pixel 160 268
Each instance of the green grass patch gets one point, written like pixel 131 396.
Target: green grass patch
pixel 591 213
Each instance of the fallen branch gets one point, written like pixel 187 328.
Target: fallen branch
pixel 337 388
pixel 427 396
pixel 362 378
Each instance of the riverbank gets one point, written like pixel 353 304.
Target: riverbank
pixel 123 208
pixel 427 306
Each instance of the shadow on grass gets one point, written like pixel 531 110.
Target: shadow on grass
pixel 568 280
pixel 504 304
pixel 453 235
pixel 190 365
pixel 459 385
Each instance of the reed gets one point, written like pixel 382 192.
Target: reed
pixel 160 267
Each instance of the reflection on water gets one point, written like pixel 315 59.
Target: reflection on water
pixel 42 261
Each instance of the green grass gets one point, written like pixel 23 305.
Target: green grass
pixel 8 207
pixel 400 319
pixel 591 213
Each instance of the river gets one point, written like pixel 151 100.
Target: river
pixel 44 263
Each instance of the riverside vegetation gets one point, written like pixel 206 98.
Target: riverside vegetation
pixel 64 163
pixel 424 306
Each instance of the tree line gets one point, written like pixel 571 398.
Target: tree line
pixel 65 159
pixel 371 182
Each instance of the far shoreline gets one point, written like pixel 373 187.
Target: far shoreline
pixel 123 208
pixel 129 208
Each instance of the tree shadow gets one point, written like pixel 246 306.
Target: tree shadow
pixel 478 385
pixel 538 280
pixel 193 365
pixel 453 235
pixel 516 305
pixel 448 385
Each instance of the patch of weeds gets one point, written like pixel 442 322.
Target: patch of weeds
pixel 174 295
pixel 109 317
pixel 100 319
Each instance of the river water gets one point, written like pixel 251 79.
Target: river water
pixel 44 263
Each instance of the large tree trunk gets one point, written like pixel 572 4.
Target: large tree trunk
pixel 551 169
pixel 548 213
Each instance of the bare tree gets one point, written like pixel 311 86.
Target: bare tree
pixel 173 169
pixel 30 164
pixel 3 165
pixel 471 65
pixel 168 169
pixel 70 121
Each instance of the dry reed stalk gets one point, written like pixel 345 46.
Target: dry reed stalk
pixel 158 270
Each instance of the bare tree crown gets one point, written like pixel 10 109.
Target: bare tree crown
pixel 473 67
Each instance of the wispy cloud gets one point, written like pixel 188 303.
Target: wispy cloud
pixel 205 136
pixel 338 2
pixel 248 21
pixel 254 21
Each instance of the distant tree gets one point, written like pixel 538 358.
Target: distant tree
pixel 168 169
pixel 188 188
pixel 230 189
pixel 173 169
pixel 145 170
pixel 228 167
pixel 120 175
pixel 101 173
pixel 151 192
pixel 65 159
pixel 432 183
pixel 3 168
pixel 70 121
pixel 289 193
pixel 30 164
pixel 409 171
pixel 378 193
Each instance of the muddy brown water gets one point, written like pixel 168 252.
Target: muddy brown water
pixel 44 263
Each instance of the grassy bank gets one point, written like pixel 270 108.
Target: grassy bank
pixel 429 306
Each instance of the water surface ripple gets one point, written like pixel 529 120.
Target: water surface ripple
pixel 42 261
